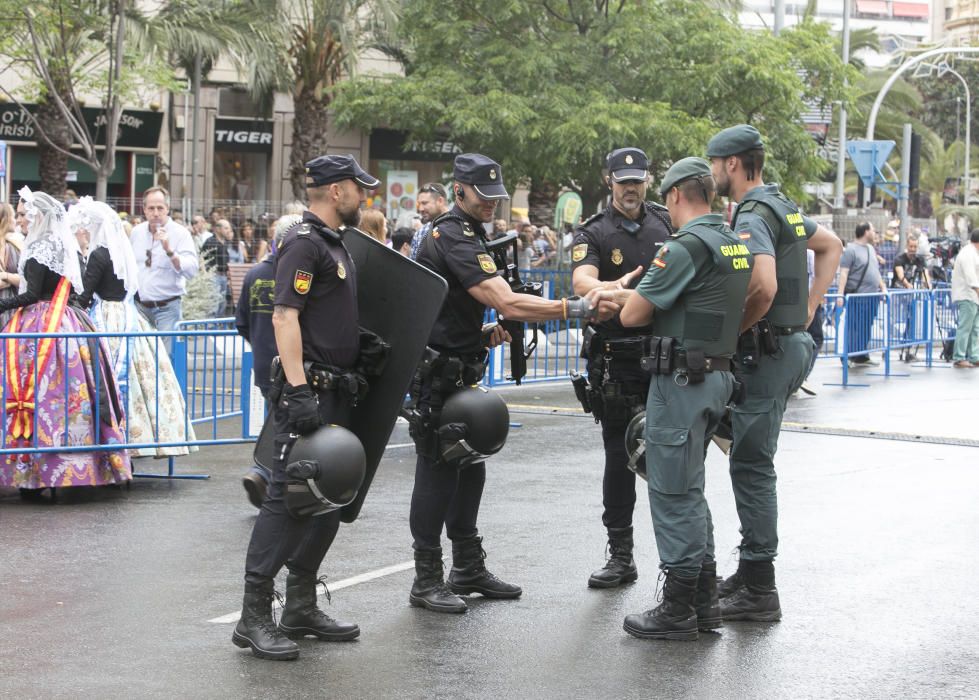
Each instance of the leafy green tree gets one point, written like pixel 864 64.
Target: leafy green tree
pixel 549 88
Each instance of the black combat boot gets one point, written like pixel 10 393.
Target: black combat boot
pixel 301 617
pixel 429 590
pixel 469 574
pixel 757 599
pixel 732 583
pixel 706 601
pixel 256 487
pixel 620 567
pixel 257 629
pixel 675 618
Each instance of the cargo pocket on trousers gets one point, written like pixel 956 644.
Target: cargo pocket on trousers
pixel 668 459
pixel 755 424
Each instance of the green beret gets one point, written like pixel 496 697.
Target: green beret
pixel 683 170
pixel 734 140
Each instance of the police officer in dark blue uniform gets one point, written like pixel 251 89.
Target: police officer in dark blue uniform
pixel 447 495
pixel 611 250
pixel 315 320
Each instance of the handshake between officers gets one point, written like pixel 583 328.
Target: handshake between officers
pixel 455 425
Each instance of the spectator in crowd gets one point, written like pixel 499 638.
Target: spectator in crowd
pixel 909 268
pixel 253 319
pixel 179 218
pixel 21 219
pixel 860 274
pixel 910 272
pixel 55 386
pixel 924 245
pixel 198 231
pixel 401 241
pixel 294 207
pixel 136 220
pixel 155 409
pixel 432 203
pixel 965 294
pixel 216 254
pixel 167 259
pixel 255 246
pixel 499 229
pixel 525 248
pixel 374 224
pixel 11 245
pixel 889 246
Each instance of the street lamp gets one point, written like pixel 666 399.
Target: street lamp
pixel 944 68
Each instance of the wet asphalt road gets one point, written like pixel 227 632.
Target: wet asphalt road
pixel 109 594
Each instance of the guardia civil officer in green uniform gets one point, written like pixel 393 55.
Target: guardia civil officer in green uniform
pixel 693 294
pixel 611 250
pixel 775 352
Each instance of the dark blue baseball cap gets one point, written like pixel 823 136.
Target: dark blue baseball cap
pixel 326 169
pixel 627 164
pixel 484 174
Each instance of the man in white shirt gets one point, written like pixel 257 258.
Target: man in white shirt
pixel 167 258
pixel 965 294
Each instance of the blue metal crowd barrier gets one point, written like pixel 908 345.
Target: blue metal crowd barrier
pixel 211 364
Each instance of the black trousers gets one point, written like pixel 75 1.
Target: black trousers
pixel 619 483
pixel 447 497
pixel 278 538
pixel 443 496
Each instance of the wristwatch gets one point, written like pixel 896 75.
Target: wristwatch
pixel 169 253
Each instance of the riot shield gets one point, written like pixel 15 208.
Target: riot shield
pixel 399 300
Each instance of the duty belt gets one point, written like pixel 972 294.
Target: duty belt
pixel 711 364
pixel 788 330
pixel 326 378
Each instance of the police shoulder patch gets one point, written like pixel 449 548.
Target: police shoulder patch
pixel 579 252
pixel 302 281
pixel 486 263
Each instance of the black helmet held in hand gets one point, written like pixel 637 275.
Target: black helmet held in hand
pixel 474 424
pixel 325 470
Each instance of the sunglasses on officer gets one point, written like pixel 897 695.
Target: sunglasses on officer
pixel 436 189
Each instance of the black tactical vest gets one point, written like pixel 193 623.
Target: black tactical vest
pixel 708 314
pixel 790 307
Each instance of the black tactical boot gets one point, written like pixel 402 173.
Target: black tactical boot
pixel 620 567
pixel 706 601
pixel 429 590
pixel 469 574
pixel 757 599
pixel 257 629
pixel 732 583
pixel 301 617
pixel 256 488
pixel 675 618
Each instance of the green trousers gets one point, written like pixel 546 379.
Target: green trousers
pixel 967 333
pixel 680 421
pixel 757 422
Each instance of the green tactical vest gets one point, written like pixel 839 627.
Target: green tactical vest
pixel 790 307
pixel 708 314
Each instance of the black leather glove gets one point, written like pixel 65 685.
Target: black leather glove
pixel 303 408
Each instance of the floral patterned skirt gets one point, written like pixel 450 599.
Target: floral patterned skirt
pixel 155 406
pixel 76 403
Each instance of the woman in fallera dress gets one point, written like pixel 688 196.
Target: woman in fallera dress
pixel 155 407
pixel 74 401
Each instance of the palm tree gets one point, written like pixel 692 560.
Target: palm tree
pixel 327 37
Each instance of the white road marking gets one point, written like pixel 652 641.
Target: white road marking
pixel 344 583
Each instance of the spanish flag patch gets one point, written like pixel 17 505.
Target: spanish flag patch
pixel 659 262
pixel 744 235
pixel 302 281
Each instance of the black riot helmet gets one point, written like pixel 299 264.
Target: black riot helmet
pixel 474 424
pixel 325 470
pixel 635 444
